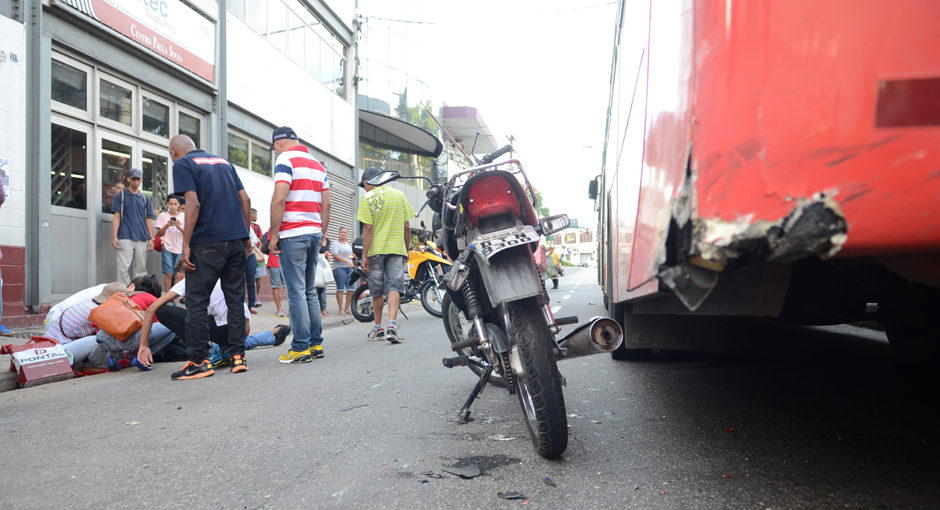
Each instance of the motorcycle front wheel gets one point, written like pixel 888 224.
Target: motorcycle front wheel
pixel 539 383
pixel 457 328
pixel 431 299
pixel 362 304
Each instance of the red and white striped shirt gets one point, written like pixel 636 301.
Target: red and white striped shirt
pixel 307 179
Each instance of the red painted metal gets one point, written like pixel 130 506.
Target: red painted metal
pixel 772 102
pixel 785 101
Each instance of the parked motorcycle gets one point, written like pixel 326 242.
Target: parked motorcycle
pixel 509 337
pixel 422 282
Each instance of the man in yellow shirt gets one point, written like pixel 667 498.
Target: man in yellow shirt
pixel 556 265
pixel 385 213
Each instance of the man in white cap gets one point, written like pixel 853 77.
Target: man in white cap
pixel 133 228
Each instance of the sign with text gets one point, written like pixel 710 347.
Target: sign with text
pixel 169 28
pixel 42 365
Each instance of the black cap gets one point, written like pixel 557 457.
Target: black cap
pixel 368 174
pixel 281 133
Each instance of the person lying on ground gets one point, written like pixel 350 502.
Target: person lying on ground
pixel 98 348
pixel 174 318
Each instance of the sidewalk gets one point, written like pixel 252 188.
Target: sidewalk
pixel 264 320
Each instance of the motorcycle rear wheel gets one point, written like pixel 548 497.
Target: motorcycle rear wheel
pixel 457 328
pixel 430 299
pixel 362 304
pixel 540 386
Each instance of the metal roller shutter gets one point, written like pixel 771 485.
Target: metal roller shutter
pixel 342 211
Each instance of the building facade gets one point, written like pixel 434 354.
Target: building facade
pixel 93 88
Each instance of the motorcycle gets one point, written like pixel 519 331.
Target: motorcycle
pixel 422 282
pixel 497 311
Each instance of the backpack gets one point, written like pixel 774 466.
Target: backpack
pixel 265 239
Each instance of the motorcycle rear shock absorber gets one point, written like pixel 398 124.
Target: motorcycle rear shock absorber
pixel 475 310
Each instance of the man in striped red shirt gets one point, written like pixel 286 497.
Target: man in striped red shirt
pixel 300 213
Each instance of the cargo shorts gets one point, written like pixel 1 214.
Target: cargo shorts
pixel 386 274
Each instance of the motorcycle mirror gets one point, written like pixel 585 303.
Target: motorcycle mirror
pixel 422 224
pixel 553 224
pixel 383 178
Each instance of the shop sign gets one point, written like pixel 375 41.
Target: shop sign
pixel 169 28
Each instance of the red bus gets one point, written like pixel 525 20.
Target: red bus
pixel 774 159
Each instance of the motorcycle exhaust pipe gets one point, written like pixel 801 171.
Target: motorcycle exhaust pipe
pixel 596 336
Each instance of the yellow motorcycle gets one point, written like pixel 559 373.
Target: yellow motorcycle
pixel 425 271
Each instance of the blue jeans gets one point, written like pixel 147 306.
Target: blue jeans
pixel 341 275
pixel 168 261
pixel 259 340
pixel 299 257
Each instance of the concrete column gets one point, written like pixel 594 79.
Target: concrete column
pixel 38 163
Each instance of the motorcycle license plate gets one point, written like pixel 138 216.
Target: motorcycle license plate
pixel 488 245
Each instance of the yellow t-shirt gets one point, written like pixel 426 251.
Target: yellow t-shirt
pixel 387 210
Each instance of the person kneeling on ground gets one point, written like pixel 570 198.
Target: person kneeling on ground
pixel 102 350
pixel 174 318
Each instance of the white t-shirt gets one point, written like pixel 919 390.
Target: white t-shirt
pixel 217 307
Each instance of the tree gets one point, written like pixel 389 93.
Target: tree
pixel 540 209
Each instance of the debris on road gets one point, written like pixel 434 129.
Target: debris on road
pixel 353 407
pixel 548 481
pixel 594 421
pixel 728 475
pixel 729 430
pixel 471 471
pixel 510 495
pixel 500 437
pixel 129 423
pixel 432 474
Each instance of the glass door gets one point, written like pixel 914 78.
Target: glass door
pixel 116 156
pixel 154 163
pixel 73 225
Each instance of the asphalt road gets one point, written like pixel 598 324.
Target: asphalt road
pixel 787 418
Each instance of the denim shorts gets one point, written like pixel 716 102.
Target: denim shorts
pixel 169 261
pixel 386 274
pixel 341 275
pixel 276 278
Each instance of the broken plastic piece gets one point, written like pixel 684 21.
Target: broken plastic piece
pixel 510 495
pixel 548 481
pixel 470 471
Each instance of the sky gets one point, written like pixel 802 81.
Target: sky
pixel 536 70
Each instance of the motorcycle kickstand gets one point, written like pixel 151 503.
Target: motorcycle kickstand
pixel 461 361
pixel 464 415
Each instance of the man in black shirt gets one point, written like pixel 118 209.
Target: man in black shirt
pixel 215 242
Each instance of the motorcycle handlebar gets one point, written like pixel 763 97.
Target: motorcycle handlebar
pixel 490 157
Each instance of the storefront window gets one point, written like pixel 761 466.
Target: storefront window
pixel 256 15
pixel 156 119
pixel 154 168
pixel 260 159
pixel 115 164
pixel 116 103
pixel 69 157
pixel 277 24
pixel 296 42
pixel 296 31
pixel 237 7
pixel 69 85
pixel 238 150
pixel 312 53
pixel 189 126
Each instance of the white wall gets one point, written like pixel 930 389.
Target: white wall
pixel 13 130
pixel 260 189
pixel 267 83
